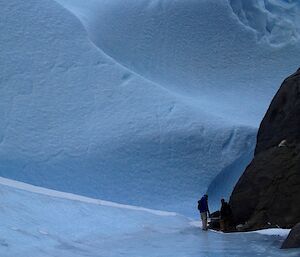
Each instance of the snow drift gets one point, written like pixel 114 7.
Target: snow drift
pixel 139 102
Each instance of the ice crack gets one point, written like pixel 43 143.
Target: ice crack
pixel 275 22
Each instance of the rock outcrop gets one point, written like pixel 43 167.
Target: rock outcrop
pixel 293 239
pixel 268 193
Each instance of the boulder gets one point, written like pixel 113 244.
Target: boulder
pixel 268 193
pixel 293 239
pixel 281 121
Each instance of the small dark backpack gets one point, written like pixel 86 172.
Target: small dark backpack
pixel 199 205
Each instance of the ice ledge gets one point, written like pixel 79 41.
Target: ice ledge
pixel 73 197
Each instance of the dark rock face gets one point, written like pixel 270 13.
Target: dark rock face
pixel 268 193
pixel 282 120
pixel 293 239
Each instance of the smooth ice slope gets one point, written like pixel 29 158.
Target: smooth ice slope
pixel 154 134
pixel 34 224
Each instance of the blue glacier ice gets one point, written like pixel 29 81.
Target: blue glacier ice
pixel 41 222
pixel 148 103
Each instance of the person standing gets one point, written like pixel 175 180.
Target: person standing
pixel 226 215
pixel 204 210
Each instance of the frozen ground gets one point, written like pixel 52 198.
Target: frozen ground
pixel 64 225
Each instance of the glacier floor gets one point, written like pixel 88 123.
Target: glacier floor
pixel 45 223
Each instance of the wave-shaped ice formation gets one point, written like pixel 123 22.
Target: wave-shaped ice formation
pixel 153 134
pixel 200 49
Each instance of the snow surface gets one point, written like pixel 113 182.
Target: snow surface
pixel 53 224
pixel 146 103
pixel 274 232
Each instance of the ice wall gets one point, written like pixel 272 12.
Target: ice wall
pixel 140 102
pixel 209 50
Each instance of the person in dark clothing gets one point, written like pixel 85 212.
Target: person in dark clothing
pixel 225 215
pixel 204 210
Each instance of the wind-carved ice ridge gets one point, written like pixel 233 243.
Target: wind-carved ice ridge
pixel 275 21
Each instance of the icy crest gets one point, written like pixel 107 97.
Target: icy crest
pixel 275 21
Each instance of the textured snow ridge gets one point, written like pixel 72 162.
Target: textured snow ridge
pixel 277 22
